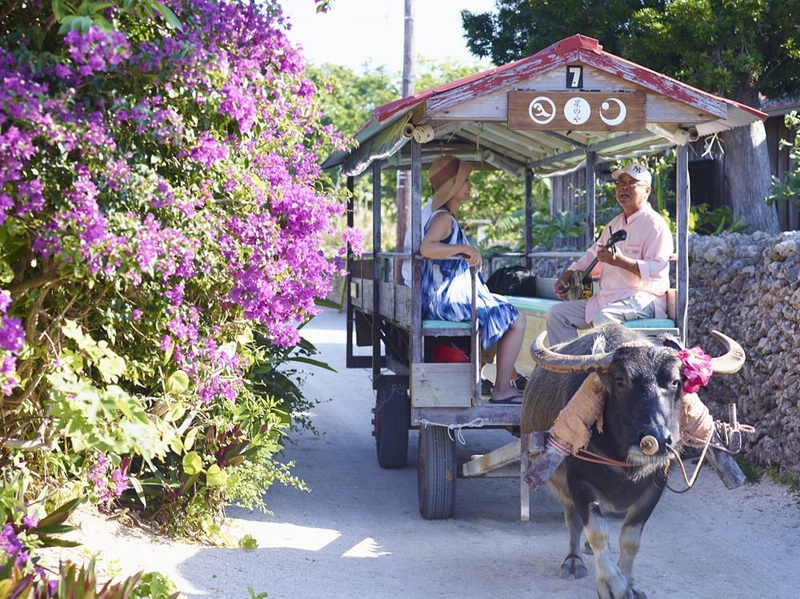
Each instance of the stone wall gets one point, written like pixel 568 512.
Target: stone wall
pixel 748 287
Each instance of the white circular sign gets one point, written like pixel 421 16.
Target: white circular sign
pixel 577 111
pixel 542 110
pixel 622 112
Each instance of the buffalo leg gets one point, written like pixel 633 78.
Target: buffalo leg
pixel 629 540
pixel 630 535
pixel 611 582
pixel 573 564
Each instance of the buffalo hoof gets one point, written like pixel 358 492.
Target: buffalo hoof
pixel 628 592
pixel 573 566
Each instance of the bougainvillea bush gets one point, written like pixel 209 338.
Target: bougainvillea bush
pixel 161 218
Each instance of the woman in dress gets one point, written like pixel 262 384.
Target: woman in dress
pixel 447 282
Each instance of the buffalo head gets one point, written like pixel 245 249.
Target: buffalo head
pixel 642 385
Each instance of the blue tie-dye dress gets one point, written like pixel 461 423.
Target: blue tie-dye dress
pixel 447 293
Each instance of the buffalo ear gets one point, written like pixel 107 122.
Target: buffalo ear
pixel 672 341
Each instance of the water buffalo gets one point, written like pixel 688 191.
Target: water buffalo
pixel 642 384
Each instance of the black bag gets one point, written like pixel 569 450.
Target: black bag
pixel 513 280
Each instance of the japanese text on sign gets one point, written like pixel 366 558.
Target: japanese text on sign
pixel 587 111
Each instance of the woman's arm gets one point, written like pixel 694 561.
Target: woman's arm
pixel 432 246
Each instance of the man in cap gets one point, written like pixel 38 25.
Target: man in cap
pixel 634 278
pixel 634 274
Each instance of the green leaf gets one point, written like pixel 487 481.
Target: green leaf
pixel 167 355
pixel 326 303
pixel 60 10
pixel 56 542
pixel 216 476
pixel 168 15
pixel 97 7
pixel 175 412
pixel 6 273
pixel 71 330
pixel 312 362
pixel 188 440
pixel 72 22
pixel 248 542
pixel 111 367
pixel 192 464
pixel 137 486
pixel 61 513
pixel 178 382
pixel 53 529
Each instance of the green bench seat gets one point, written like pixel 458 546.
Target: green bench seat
pixel 537 307
pixel 650 323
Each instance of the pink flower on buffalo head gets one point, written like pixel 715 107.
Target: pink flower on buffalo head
pixel 696 369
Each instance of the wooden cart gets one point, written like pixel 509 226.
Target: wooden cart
pixel 570 106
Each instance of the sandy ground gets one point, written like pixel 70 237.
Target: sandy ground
pixel 358 533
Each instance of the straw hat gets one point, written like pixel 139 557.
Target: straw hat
pixel 447 174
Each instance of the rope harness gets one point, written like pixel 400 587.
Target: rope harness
pixel 596 458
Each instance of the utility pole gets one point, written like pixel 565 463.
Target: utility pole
pixel 404 176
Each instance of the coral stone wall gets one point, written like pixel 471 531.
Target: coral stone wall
pixel 748 287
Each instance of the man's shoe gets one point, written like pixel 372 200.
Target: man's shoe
pixel 520 382
pixel 487 387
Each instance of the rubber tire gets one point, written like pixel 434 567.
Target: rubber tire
pixel 391 424
pixel 436 473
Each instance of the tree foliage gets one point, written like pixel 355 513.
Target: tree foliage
pixel 735 49
pixel 728 48
pixel 520 28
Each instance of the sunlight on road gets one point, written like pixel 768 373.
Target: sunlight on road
pixel 366 548
pixel 289 536
pixel 272 535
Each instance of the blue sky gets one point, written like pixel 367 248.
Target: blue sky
pixel 359 32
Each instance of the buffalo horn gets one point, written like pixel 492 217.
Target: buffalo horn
pixel 556 362
pixel 730 362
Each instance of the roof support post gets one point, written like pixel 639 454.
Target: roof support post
pixel 349 310
pixel 377 276
pixel 683 197
pixel 416 240
pixel 591 183
pixel 528 216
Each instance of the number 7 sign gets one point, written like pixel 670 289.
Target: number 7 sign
pixel 575 77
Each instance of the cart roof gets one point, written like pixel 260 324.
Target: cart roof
pixel 471 117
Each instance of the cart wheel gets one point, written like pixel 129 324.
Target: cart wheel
pixel 392 421
pixel 436 473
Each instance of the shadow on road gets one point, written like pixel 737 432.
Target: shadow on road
pixel 358 533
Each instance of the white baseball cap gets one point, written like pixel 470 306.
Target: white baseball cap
pixel 637 171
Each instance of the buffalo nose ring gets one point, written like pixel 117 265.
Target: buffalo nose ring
pixel 648 445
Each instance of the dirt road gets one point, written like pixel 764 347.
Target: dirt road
pixel 359 533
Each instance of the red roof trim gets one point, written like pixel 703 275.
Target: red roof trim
pixel 577 48
pixel 577 42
